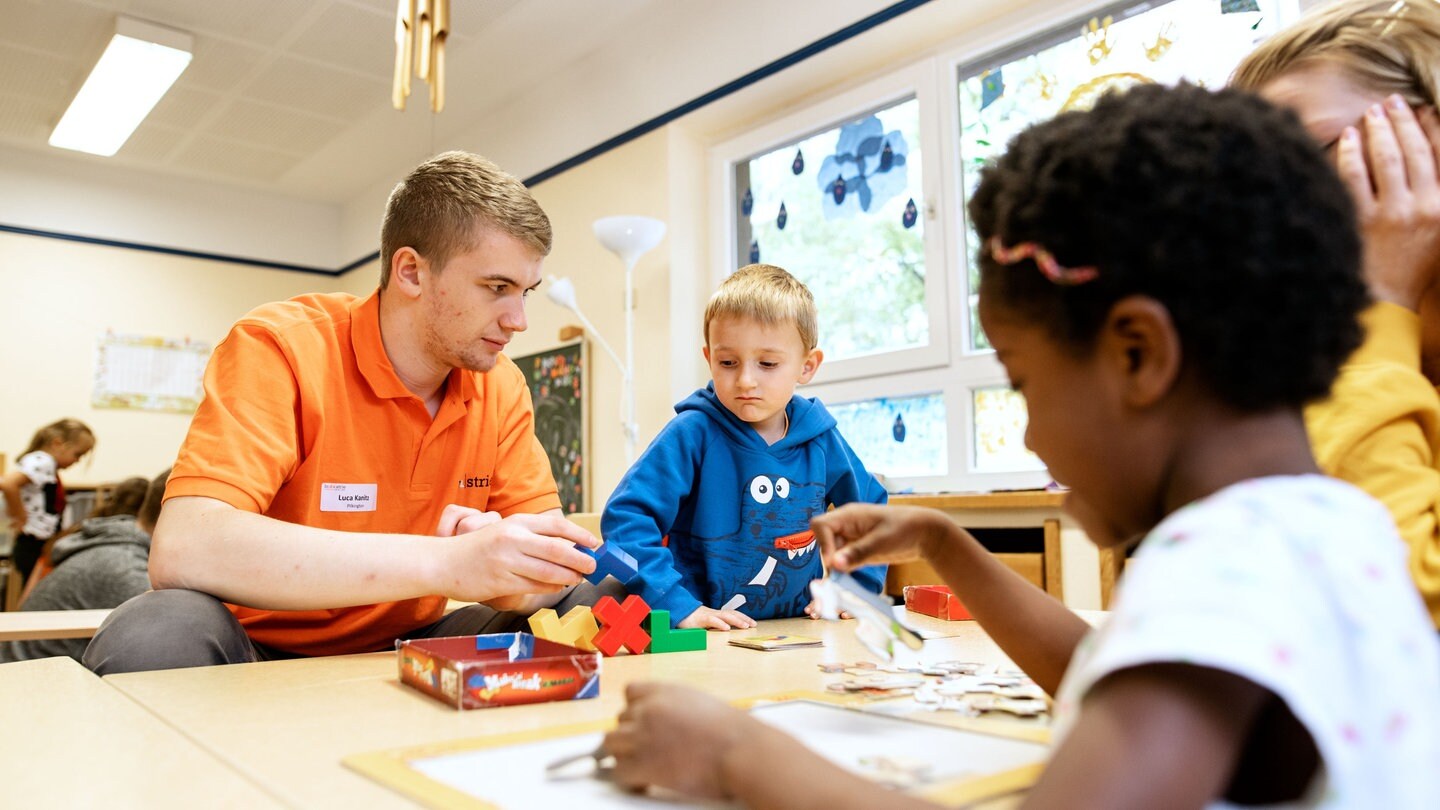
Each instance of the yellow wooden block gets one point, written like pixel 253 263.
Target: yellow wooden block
pixel 577 628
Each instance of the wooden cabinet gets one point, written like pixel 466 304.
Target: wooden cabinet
pixel 1025 530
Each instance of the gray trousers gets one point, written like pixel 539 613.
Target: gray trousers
pixel 173 629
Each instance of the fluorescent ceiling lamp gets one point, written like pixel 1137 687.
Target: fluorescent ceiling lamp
pixel 138 66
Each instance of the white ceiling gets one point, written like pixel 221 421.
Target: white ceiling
pixel 290 96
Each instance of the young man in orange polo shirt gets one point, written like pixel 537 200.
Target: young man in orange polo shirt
pixel 356 462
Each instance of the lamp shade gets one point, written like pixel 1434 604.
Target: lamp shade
pixel 562 292
pixel 629 237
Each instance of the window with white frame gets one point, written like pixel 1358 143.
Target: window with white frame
pixel 862 197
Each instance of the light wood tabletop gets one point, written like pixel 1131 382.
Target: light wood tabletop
pixel 70 740
pixel 288 724
pixel 21 625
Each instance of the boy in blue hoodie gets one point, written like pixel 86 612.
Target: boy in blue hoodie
pixel 717 510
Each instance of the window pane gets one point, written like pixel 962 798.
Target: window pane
pixel 903 436
pixel 1200 41
pixel 841 211
pixel 1000 420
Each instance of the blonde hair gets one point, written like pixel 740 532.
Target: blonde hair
pixel 1389 46
pixel 769 295
pixel 68 431
pixel 441 207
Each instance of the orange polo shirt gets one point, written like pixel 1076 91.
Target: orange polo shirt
pixel 304 421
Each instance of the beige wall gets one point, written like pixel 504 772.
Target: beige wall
pixel 627 180
pixel 59 297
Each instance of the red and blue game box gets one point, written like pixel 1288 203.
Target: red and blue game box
pixel 503 669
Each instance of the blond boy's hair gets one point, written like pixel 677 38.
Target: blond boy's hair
pixel 766 294
pixel 441 208
pixel 1389 46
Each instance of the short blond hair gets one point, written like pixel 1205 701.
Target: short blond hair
pixel 766 294
pixel 441 208
pixel 1389 46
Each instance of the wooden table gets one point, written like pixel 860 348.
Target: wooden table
pixel 70 740
pixel 22 625
pixel 287 724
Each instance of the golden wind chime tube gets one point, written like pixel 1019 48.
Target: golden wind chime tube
pixel 421 28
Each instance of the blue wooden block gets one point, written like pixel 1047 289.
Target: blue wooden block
pixel 612 560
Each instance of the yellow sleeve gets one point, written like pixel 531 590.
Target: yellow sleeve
pixel 1380 430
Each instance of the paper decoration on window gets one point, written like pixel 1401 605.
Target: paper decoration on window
pixel 782 218
pixel 879 431
pixel 149 373
pixel 798 165
pixel 1237 6
pixel 1162 43
pixel 754 251
pixel 1097 37
pixel 867 169
pixel 992 87
pixel 747 203
pixel 911 215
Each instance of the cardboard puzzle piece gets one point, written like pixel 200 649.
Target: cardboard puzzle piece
pixel 621 625
pixel 577 628
pixel 664 639
pixel 612 560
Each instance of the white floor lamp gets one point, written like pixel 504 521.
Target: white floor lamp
pixel 628 238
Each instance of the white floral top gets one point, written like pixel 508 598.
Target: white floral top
pixel 1298 584
pixel 37 494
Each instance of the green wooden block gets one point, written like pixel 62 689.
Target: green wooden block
pixel 665 639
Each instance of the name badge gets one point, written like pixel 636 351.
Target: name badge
pixel 347 497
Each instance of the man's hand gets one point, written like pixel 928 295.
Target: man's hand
pixel 513 557
pixel 457 519
pixel 713 619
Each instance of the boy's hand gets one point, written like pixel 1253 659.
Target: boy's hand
pixel 813 612
pixel 678 738
pixel 712 619
pixel 860 534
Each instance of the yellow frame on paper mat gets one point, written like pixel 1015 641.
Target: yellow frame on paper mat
pixel 392 767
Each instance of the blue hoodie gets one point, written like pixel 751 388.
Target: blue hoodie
pixel 736 510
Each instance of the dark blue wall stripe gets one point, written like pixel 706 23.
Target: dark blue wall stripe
pixel 189 254
pixel 795 57
pixel 748 79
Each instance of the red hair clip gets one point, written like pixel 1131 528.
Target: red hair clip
pixel 1051 269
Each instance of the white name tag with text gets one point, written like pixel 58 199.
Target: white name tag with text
pixel 347 497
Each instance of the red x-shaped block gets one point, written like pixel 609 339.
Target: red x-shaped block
pixel 621 625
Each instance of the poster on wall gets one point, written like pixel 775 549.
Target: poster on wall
pixel 557 388
pixel 144 372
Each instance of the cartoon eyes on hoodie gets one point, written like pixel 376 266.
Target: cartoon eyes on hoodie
pixel 762 490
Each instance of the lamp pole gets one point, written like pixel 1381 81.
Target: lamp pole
pixel 629 237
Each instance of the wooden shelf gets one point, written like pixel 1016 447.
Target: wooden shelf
pixel 1038 499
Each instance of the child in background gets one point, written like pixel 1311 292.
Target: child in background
pixel 1168 280
pixel 100 564
pixel 1362 76
pixel 33 492
pixel 736 476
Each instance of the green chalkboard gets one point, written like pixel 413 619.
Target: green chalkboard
pixel 557 389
